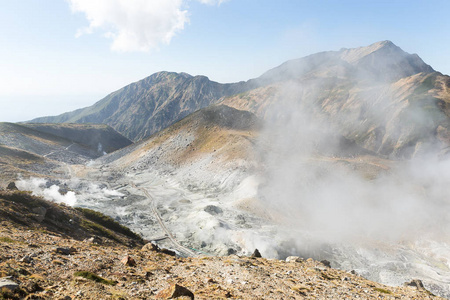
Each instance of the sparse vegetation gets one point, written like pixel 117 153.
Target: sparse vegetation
pixel 106 221
pixel 25 198
pixel 384 291
pixel 98 229
pixel 94 277
pixel 5 239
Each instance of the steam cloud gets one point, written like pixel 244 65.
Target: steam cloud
pixel 39 188
pixel 135 25
pixel 321 194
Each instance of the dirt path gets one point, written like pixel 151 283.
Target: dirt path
pixel 177 245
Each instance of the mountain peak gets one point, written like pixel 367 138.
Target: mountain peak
pixel 355 54
pixel 385 60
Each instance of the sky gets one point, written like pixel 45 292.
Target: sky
pixel 60 55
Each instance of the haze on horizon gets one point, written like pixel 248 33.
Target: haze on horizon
pixel 64 55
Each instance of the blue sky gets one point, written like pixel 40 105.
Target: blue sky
pixel 55 56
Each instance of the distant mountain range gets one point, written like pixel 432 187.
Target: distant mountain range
pixel 380 97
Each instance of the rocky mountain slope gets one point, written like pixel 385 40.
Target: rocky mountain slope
pixel 52 251
pixel 383 99
pixel 149 105
pixel 45 149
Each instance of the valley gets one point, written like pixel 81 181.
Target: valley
pixel 339 156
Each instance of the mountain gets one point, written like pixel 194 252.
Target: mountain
pixel 348 82
pixel 209 145
pixel 381 61
pixel 44 149
pixel 341 155
pixel 383 99
pixel 149 105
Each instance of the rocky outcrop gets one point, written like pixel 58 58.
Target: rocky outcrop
pixel 175 291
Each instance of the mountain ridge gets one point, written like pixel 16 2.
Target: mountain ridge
pixel 154 103
pixel 348 78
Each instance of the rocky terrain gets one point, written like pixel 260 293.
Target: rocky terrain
pixel 52 251
pixel 339 156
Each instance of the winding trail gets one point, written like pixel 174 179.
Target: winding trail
pixel 53 152
pixel 176 244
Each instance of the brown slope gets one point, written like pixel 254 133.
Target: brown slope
pixel 44 251
pixel 14 162
pixel 220 131
pixel 398 120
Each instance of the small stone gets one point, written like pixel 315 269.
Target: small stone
pixel 175 291
pixel 33 287
pixel 94 240
pixel 168 252
pixel 150 247
pixel 294 259
pixel 415 283
pixel 256 253
pixel 209 280
pixel 128 261
pixel 7 283
pixel 65 251
pixel 326 263
pixel 231 251
pixel 213 210
pixel 26 259
pixel 12 186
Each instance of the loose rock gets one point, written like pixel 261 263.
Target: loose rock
pixel 175 291
pixel 65 251
pixel 7 283
pixel 415 283
pixel 256 253
pixel 128 261
pixel 294 259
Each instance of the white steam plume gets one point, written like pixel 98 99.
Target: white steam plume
pixel 321 194
pixel 39 188
pixel 135 25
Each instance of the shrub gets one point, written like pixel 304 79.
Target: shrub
pixel 108 222
pixel 94 277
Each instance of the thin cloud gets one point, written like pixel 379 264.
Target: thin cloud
pixel 135 25
pixel 212 2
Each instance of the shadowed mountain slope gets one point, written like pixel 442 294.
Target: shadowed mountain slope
pixel 96 136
